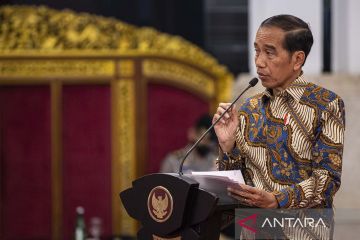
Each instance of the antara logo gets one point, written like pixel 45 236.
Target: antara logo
pixel 251 218
pixel 280 222
pixel 293 222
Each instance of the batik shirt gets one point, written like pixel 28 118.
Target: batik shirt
pixel 291 144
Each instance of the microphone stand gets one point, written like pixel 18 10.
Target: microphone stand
pixel 252 83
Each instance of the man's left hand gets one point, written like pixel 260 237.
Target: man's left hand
pixel 253 196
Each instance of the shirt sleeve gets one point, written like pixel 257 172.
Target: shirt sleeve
pixel 320 188
pixel 234 159
pixel 230 161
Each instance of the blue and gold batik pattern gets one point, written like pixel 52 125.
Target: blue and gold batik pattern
pixel 291 144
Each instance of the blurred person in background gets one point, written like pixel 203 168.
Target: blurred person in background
pixel 203 158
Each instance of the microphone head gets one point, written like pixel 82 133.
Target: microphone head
pixel 253 82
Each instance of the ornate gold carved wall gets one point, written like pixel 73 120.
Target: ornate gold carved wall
pixel 57 68
pixel 179 74
pixel 47 30
pixel 42 45
pixel 124 151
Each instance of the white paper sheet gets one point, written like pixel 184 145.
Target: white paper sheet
pixel 233 175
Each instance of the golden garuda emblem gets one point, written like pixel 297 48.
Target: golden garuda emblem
pixel 160 204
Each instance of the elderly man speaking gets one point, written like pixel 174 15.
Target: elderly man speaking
pixel 288 140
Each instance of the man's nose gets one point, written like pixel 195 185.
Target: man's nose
pixel 260 61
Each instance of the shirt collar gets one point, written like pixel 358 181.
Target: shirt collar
pixel 295 90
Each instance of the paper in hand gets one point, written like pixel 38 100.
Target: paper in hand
pixel 218 181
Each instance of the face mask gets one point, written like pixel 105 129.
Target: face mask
pixel 203 150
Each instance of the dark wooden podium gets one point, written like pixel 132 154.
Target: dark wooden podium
pixel 170 206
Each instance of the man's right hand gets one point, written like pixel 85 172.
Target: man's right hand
pixel 225 129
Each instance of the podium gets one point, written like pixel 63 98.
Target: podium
pixel 173 206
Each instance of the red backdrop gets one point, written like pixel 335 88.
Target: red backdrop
pixel 25 152
pixel 171 111
pixel 86 155
pixel 25 166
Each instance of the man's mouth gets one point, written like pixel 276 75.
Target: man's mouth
pixel 261 75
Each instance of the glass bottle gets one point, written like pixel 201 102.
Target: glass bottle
pixel 80 232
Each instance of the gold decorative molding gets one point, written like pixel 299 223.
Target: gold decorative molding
pixel 180 74
pixel 27 28
pixel 57 68
pixel 126 68
pixel 123 151
pixel 224 88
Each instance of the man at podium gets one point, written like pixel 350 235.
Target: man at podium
pixel 288 140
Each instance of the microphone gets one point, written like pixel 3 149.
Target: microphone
pixel 252 83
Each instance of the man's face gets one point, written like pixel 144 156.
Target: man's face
pixel 206 146
pixel 275 66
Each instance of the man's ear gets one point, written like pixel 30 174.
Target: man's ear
pixel 298 59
